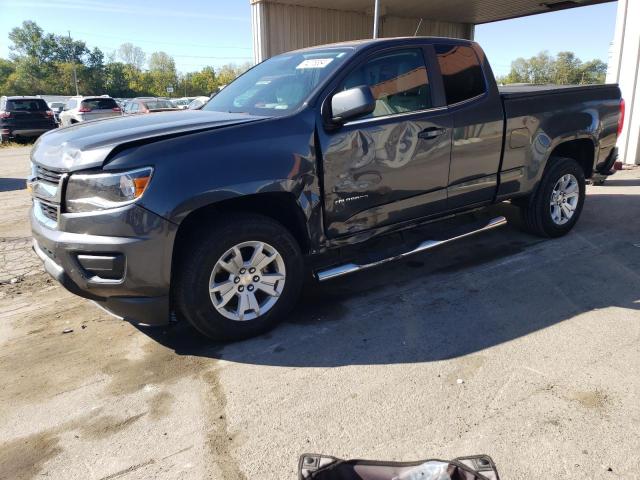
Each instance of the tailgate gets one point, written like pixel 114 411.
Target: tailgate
pixel 96 114
pixel 31 119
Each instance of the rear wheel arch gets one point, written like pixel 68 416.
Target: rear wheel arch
pixel 582 150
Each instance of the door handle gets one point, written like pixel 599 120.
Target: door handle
pixel 431 133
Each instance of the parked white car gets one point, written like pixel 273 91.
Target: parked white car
pixel 81 109
pixel 56 108
pixel 183 102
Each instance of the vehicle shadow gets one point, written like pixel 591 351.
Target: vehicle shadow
pixel 462 298
pixel 12 184
pixel 622 182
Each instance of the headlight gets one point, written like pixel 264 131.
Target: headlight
pixel 100 191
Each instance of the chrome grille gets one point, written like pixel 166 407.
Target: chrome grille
pixel 49 210
pixel 47 175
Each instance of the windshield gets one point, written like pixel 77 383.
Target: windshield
pixel 279 85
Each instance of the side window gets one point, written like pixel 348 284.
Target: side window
pixel 134 107
pixel 398 81
pixel 461 72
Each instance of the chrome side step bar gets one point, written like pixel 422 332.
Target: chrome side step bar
pixel 345 269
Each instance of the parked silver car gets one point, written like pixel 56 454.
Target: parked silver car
pixel 198 103
pixel 81 109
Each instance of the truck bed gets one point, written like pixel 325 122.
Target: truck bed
pixel 520 91
pixel 536 116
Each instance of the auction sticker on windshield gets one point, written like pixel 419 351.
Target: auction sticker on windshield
pixel 315 63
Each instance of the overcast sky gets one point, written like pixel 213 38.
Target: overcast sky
pixel 214 32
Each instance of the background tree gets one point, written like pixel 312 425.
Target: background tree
pixel 29 41
pixel 162 73
pixel 204 82
pixel 563 69
pixel 116 81
pixel 594 71
pixel 131 55
pixel 43 63
pixel 230 72
pixel 7 67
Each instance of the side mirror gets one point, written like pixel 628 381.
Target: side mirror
pixel 352 103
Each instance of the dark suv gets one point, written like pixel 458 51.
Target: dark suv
pixel 24 117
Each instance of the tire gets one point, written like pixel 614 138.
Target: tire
pixel 201 266
pixel 540 216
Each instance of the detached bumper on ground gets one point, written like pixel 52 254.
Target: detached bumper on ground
pixel 126 272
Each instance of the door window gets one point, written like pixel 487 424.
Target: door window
pixel 461 72
pixel 398 81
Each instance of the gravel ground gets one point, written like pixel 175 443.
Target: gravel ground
pixel 505 344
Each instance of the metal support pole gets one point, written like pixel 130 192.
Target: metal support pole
pixel 376 18
pixel 75 75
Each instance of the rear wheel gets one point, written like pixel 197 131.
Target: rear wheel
pixel 556 205
pixel 239 277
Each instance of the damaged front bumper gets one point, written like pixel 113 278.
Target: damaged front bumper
pixel 121 259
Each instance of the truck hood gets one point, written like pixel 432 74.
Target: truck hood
pixel 87 145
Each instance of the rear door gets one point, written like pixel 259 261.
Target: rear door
pixel 392 165
pixel 476 109
pixel 29 113
pixel 99 107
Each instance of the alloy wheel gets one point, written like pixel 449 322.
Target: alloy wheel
pixel 564 199
pixel 247 281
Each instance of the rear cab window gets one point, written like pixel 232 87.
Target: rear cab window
pixel 398 80
pixel 27 105
pixel 461 71
pixel 99 103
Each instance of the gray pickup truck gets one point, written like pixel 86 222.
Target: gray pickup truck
pixel 327 160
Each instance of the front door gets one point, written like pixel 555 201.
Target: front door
pixel 392 165
pixel 477 115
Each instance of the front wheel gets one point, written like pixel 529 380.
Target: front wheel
pixel 556 205
pixel 239 277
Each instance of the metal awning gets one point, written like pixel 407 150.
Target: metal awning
pixel 462 11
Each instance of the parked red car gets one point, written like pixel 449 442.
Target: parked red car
pixel 148 105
